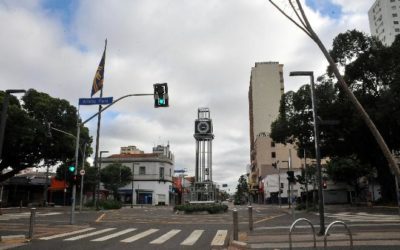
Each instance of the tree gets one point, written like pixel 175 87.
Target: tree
pixel 373 74
pixel 348 170
pixel 115 176
pixel 29 141
pixel 242 190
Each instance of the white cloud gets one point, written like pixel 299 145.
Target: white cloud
pixel 204 49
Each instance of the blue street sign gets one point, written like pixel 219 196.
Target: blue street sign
pixel 95 101
pixel 179 171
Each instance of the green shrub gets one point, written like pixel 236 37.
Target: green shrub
pixel 105 204
pixel 210 208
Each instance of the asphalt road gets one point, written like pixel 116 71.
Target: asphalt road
pixel 161 228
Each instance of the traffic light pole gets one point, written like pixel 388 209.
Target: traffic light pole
pixel 78 131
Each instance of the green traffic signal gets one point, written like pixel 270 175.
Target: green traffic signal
pixel 71 168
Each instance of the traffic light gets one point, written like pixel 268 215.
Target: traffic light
pixel 71 169
pixel 160 95
pixel 290 177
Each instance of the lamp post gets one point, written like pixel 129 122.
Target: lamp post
pixel 133 175
pixel 98 179
pixel 6 100
pixel 317 151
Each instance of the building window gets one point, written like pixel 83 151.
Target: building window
pixel 170 172
pixel 161 172
pixel 272 144
pixel 273 154
pixel 142 170
pixel 392 1
pixel 396 22
pixel 394 15
pixel 397 29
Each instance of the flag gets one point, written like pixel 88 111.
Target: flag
pixel 99 77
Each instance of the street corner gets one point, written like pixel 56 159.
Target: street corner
pixel 237 245
pixel 11 241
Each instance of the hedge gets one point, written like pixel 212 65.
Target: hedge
pixel 210 208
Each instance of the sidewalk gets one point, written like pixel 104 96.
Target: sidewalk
pixel 274 233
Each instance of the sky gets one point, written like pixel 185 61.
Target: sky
pixel 203 49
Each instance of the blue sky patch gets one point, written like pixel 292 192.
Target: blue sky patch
pixel 326 8
pixel 64 11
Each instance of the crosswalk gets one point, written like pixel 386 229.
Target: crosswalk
pixel 130 235
pixel 364 217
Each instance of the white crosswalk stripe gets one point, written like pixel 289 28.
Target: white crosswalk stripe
pixel 364 217
pixel 165 237
pixel 107 237
pixel 139 236
pixel 90 234
pixel 67 234
pixel 219 238
pixel 193 237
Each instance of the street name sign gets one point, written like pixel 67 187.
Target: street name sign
pixel 95 101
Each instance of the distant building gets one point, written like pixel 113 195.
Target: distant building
pixel 130 150
pixel 384 18
pixel 152 175
pixel 265 92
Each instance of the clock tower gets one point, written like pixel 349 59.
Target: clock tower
pixel 204 188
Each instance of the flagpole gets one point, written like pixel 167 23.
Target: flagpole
pixel 96 158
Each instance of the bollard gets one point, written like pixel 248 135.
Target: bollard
pixel 250 218
pixel 235 224
pixel 31 223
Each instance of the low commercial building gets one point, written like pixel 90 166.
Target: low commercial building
pixel 152 176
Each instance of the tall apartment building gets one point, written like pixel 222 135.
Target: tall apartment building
pixel 265 92
pixel 384 17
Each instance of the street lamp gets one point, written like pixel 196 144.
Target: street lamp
pixel 317 151
pixel 6 99
pixel 98 179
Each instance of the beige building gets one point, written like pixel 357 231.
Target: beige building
pixel 265 92
pixel 131 150
pixel 384 18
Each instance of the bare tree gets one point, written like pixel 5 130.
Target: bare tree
pixel 303 23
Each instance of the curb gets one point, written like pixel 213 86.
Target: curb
pixel 13 238
pixel 238 245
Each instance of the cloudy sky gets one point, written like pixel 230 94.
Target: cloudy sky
pixel 203 49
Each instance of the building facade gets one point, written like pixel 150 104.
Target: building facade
pixel 152 176
pixel 384 18
pixel 265 92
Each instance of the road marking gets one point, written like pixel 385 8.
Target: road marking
pixel 139 236
pixel 67 234
pixel 100 217
pixel 219 238
pixel 193 237
pixel 90 234
pixel 107 237
pixel 269 218
pixel 165 237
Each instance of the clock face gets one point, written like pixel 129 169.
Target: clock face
pixel 203 127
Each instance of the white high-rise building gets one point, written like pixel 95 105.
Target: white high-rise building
pixel 384 18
